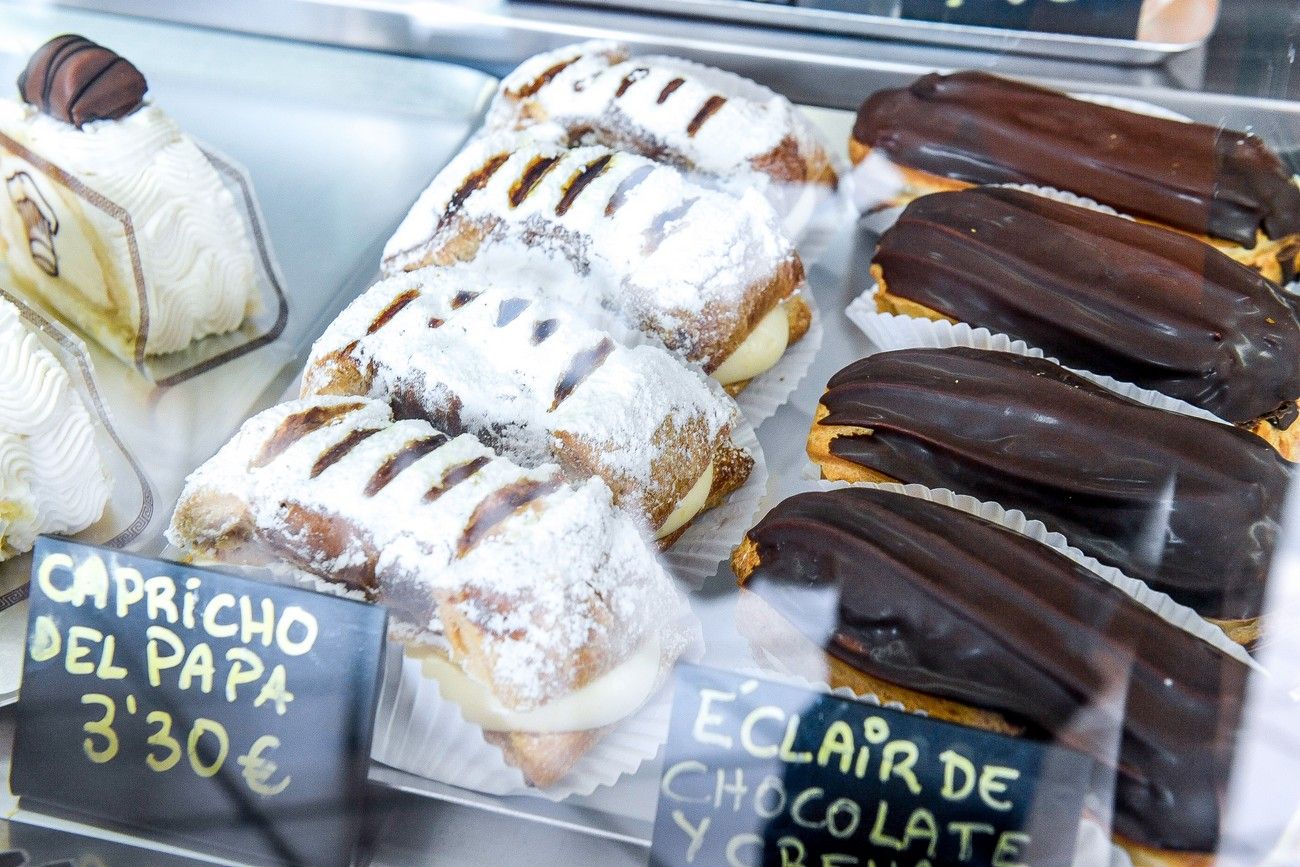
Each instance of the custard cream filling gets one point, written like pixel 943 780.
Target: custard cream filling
pixel 613 696
pixel 690 505
pixel 759 351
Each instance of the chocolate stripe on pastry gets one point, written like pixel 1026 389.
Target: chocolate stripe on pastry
pixel 949 604
pixel 583 365
pixel 532 176
pixel 708 110
pixel 298 425
pixel 541 81
pixel 340 450
pixel 1137 302
pixel 982 129
pixel 1187 505
pixel 579 182
pixel 630 79
pixel 499 506
pixel 669 89
pixel 475 181
pixel 455 476
pixel 393 309
pixel 403 458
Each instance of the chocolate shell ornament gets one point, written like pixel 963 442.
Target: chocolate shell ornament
pixel 77 81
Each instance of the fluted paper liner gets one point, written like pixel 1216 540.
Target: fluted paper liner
pixel 418 732
pixel 1013 519
pixel 202 355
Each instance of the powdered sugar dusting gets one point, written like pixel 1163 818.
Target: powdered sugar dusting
pixel 566 578
pixel 665 254
pixel 652 105
pixel 496 359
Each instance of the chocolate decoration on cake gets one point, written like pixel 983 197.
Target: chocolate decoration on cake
pixel 39 220
pixel 951 605
pixel 76 81
pixel 983 129
pixel 1187 505
pixel 1137 302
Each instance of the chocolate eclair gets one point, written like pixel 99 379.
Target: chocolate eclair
pixel 963 613
pixel 1101 293
pixel 1187 505
pixel 1226 187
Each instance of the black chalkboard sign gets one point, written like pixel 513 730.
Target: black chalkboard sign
pixel 759 773
pixel 193 705
pixel 1117 19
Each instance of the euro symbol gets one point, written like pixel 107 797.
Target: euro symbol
pixel 258 771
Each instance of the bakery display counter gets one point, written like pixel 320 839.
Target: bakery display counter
pixel 592 363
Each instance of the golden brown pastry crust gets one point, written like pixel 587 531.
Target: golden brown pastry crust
pixel 544 758
pixel 1285 440
pixel 835 468
pixel 1145 856
pixel 1266 257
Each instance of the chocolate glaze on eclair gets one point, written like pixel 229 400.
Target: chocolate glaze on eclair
pixel 984 129
pixel 1113 296
pixel 1189 506
pixel 951 605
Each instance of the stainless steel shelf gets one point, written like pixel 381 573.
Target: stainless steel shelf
pixel 812 68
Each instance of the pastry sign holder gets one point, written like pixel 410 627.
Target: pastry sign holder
pixel 196 707
pixel 763 773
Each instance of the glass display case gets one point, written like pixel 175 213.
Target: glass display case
pixel 806 433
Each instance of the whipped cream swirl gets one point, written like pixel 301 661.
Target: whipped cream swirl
pixel 52 477
pixel 195 252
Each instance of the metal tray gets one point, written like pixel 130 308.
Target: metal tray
pixel 1091 48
